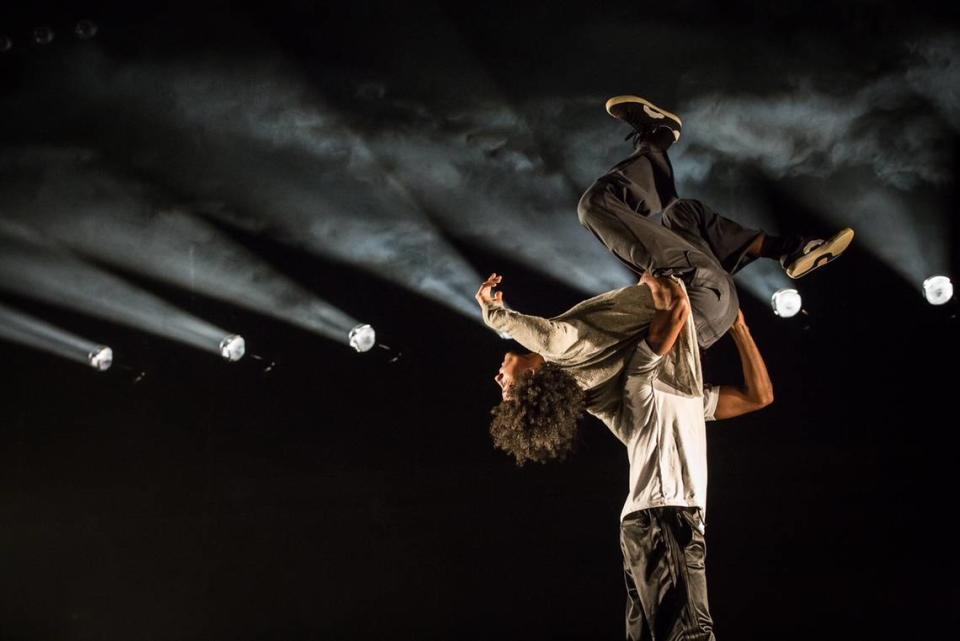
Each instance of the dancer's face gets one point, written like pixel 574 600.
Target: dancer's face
pixel 513 367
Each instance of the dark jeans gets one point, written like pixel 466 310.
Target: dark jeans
pixel 663 566
pixel 690 239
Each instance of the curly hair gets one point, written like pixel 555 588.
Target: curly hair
pixel 540 422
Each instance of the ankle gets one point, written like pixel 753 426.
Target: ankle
pixel 776 247
pixel 662 137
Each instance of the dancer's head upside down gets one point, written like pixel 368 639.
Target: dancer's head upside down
pixel 543 390
pixel 537 418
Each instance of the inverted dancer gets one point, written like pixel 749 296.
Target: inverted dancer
pixel 590 343
pixel 611 355
pixel 690 240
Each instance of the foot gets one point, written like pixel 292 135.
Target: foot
pixel 815 253
pixel 643 115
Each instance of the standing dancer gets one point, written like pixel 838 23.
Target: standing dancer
pixel 654 401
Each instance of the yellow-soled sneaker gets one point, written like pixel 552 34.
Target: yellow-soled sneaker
pixel 643 115
pixel 816 253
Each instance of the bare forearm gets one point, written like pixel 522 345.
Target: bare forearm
pixel 757 385
pixel 666 326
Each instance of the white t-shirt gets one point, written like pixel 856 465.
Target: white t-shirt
pixel 664 430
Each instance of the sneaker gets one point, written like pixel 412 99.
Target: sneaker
pixel 643 115
pixel 816 253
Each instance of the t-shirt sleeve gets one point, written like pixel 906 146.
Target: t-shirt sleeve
pixel 644 363
pixel 711 395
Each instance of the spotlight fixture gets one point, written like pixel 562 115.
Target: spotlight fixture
pixel 362 337
pixel 101 358
pixel 43 35
pixel 6 44
pixel 787 303
pixel 232 347
pixel 85 29
pixel 938 290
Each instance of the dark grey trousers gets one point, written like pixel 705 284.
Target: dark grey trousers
pixel 689 239
pixel 663 566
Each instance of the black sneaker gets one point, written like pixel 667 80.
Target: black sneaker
pixel 643 115
pixel 815 253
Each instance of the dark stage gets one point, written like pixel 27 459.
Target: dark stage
pixel 287 170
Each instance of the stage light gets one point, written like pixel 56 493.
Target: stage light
pixel 6 44
pixel 32 266
pixel 937 290
pixel 43 35
pixel 787 303
pixel 23 329
pixel 233 347
pixel 101 359
pixel 85 29
pixel 362 338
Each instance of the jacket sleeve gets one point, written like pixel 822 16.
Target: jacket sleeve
pixel 551 338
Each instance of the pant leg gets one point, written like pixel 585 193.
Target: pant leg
pixel 637 627
pixel 644 180
pixel 695 573
pixel 643 184
pixel 640 242
pixel 664 553
pixel 644 244
pixel 713 293
pixel 706 229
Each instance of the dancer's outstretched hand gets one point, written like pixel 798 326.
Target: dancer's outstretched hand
pixel 486 297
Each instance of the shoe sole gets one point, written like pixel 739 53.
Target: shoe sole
pixel 822 255
pixel 649 106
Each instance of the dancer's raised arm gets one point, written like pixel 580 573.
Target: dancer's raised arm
pixel 550 338
pixel 757 389
pixel 672 312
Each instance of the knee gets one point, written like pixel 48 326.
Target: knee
pixel 590 204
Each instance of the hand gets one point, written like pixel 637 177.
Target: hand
pixel 486 297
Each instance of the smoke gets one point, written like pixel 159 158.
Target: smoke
pixel 371 180
pixel 895 124
pixel 936 75
pixel 369 192
pixel 74 199
pixel 269 157
pixel 383 184
pixel 32 266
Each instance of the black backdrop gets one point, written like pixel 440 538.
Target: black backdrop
pixel 345 496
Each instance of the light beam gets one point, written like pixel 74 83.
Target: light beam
pixel 31 267
pixel 21 328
